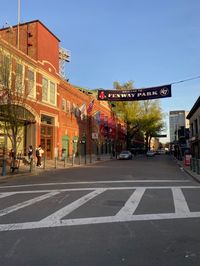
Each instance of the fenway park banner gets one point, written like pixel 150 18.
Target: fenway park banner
pixel 135 95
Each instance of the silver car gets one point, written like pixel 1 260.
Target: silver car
pixel 125 155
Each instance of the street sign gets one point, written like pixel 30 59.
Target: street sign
pixel 94 135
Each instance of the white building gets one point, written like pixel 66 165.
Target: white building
pixel 177 119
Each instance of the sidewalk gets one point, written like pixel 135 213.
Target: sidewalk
pixel 188 170
pixel 53 165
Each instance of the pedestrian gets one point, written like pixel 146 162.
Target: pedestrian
pixel 30 152
pixel 38 153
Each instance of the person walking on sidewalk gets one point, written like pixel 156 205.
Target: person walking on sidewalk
pixel 30 153
pixel 39 152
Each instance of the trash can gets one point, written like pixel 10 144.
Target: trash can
pixel 187 159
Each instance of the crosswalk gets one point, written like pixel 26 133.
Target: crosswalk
pixel 80 206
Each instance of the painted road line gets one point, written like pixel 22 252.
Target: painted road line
pixel 71 207
pixel 132 203
pixel 96 188
pixel 27 203
pixel 99 182
pixel 180 203
pixel 96 220
pixel 6 194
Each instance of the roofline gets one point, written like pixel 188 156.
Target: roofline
pixel 194 108
pixel 29 22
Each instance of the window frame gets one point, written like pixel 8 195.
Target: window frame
pixel 19 78
pixel 48 98
pixel 33 94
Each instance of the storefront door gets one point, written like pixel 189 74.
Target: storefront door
pixel 65 147
pixel 46 144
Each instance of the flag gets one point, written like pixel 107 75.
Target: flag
pixel 97 117
pixel 82 109
pixel 90 107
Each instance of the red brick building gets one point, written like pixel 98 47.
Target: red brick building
pixel 62 124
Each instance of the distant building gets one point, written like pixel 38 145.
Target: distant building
pixel 194 119
pixel 177 121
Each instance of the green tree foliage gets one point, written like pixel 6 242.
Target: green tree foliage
pixel 144 117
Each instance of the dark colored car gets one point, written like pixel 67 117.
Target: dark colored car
pixel 150 153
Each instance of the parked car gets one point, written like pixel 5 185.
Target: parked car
pixel 150 153
pixel 125 155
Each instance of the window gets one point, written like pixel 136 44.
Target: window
pixel 64 105
pixel 68 107
pixel 48 91
pixel 44 89
pixel 19 78
pixel 52 93
pixel 196 126
pixel 5 70
pixel 31 83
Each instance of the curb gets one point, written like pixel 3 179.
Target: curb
pixel 193 175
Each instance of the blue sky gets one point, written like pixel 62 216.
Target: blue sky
pixel 149 42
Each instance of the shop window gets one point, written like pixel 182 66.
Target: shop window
pixel 47 120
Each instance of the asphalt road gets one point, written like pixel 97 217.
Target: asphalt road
pixel 141 212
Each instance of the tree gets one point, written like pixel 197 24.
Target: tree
pixel 140 116
pixel 129 111
pixel 151 120
pixel 14 95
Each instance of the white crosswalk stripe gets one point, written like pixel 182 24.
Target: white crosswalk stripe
pixel 132 203
pixel 125 214
pixel 180 203
pixel 27 203
pixel 74 205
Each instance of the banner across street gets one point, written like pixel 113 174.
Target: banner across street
pixel 136 94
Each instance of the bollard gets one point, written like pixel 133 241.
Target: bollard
pixel 56 162
pixel 193 165
pixel 198 166
pixel 3 167
pixel 31 165
pixel 44 163
pixel 79 157
pixel 64 162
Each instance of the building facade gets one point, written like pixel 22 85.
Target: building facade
pixel 177 120
pixel 194 120
pixel 65 119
